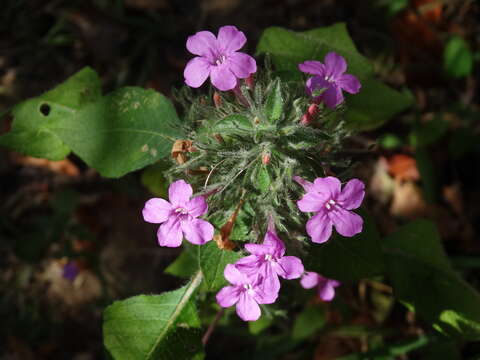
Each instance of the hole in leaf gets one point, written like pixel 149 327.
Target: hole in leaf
pixel 45 109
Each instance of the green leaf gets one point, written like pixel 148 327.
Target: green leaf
pixel 274 103
pixel 428 133
pixel 154 180
pixel 162 326
pixel 457 57
pixel 311 319
pixel 349 259
pixel 391 351
pixel 427 174
pixel 256 327
pixel 263 180
pixel 184 265
pixel 233 124
pixel 374 105
pixel 34 119
pixel 212 262
pixel 124 131
pixel 423 278
pixel 115 134
pixel 289 48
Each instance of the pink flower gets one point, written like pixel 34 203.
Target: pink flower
pixel 325 287
pixel 331 77
pixel 179 216
pixel 331 205
pixel 218 58
pixel 245 292
pixel 268 261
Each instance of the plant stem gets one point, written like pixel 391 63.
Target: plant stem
pixel 210 329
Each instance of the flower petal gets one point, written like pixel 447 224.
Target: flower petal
pixel 326 291
pixel 196 71
pixel 197 231
pixel 332 97
pixel 230 38
pixel 274 243
pixel 352 194
pixel 290 267
pixel 319 227
pixel 228 296
pixel 312 202
pixel 329 187
pixel 270 284
pixel 315 84
pixel 242 65
pixel 349 83
pixel 335 65
pixel 257 249
pixel 309 280
pixel 234 275
pixel 156 210
pixel 179 192
pixel 312 67
pixel 204 44
pixel 266 291
pixel 247 308
pixel 169 233
pixel 307 185
pixel 197 206
pixel 248 265
pixel 346 223
pixel 222 77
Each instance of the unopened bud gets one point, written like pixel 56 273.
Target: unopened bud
pixel 305 119
pixel 312 110
pixel 217 100
pixel 265 158
pixel 250 81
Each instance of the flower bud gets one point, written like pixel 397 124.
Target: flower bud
pixel 266 158
pixel 217 100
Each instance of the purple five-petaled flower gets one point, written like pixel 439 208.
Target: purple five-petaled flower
pixel 246 292
pixel 325 287
pixel 331 77
pixel 218 58
pixel 179 216
pixel 268 260
pixel 332 207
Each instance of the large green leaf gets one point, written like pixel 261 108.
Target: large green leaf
pixel 162 326
pixel 34 119
pixel 374 105
pixel 289 48
pixel 212 262
pixel 124 131
pixel 115 134
pixel 422 276
pixel 349 259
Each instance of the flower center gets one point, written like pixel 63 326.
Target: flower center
pixel 329 79
pixel 269 257
pixel 247 287
pixel 220 60
pixel 330 204
pixel 181 210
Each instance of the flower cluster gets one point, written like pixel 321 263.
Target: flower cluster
pixel 255 278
